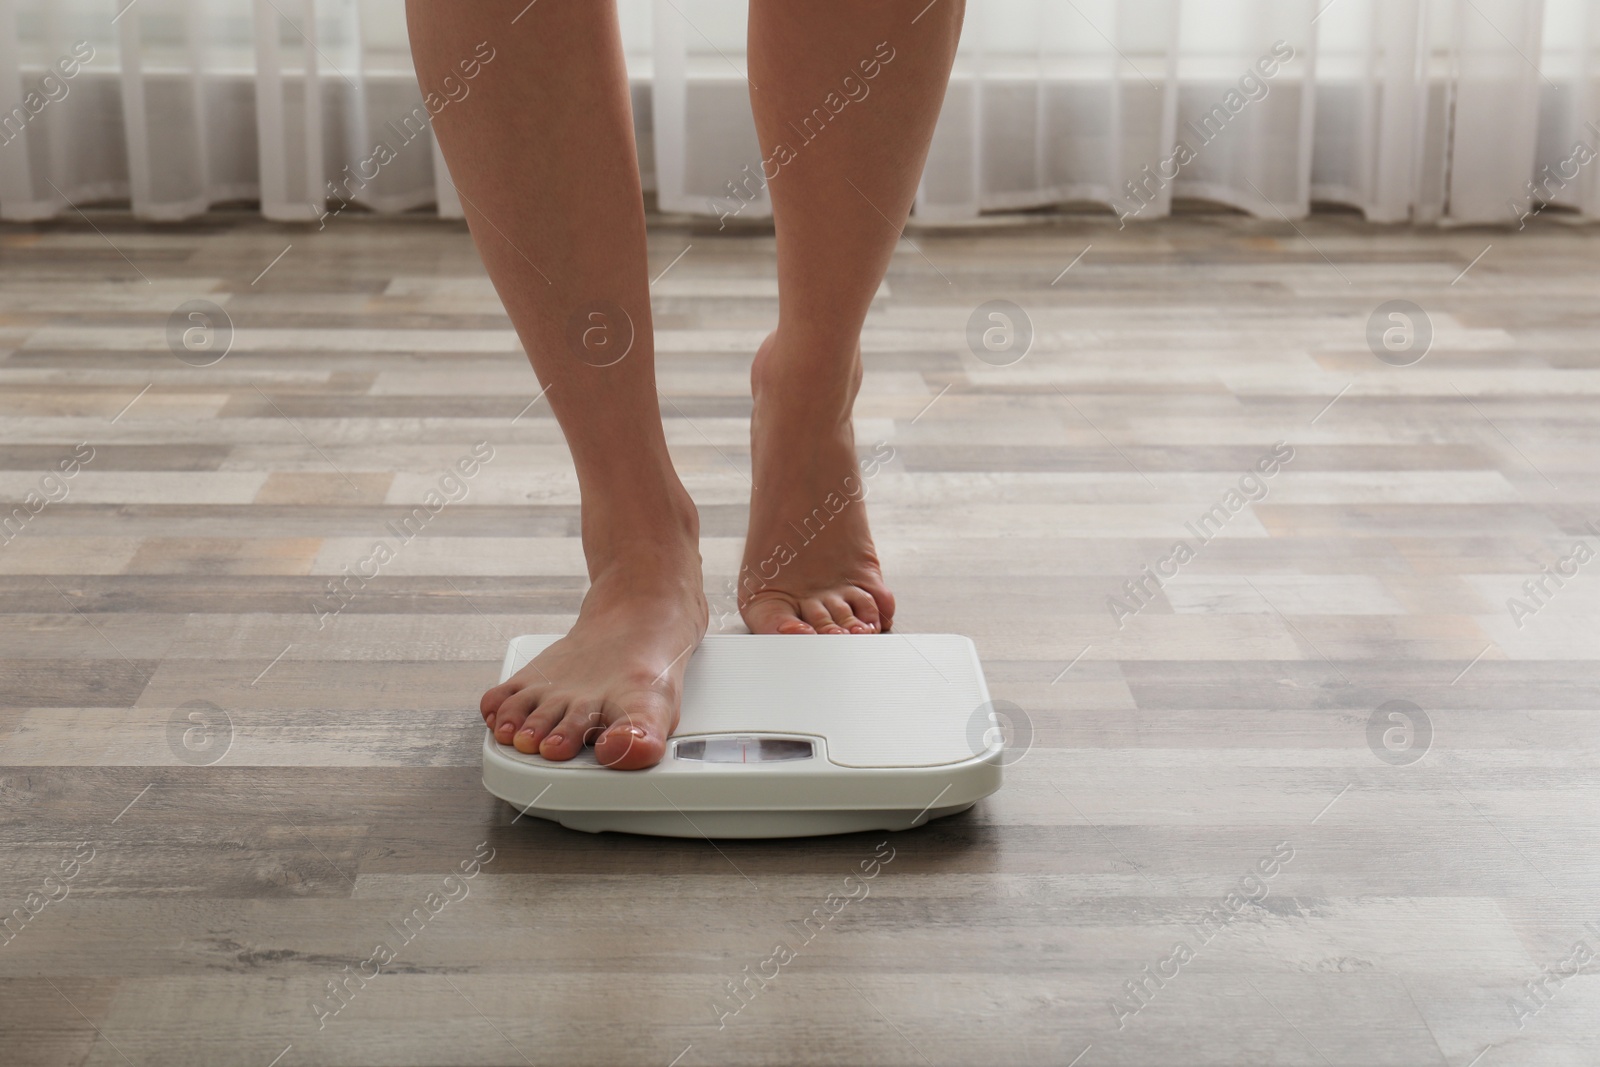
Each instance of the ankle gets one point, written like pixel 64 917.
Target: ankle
pixel 806 380
pixel 650 529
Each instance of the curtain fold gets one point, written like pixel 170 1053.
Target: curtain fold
pixel 1420 111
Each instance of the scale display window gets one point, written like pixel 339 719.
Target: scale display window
pixel 735 748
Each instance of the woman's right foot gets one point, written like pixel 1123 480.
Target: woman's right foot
pixel 616 679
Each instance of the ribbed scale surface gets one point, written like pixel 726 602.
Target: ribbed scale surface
pixel 889 700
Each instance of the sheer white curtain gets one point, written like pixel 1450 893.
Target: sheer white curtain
pixel 1424 110
pixel 1462 111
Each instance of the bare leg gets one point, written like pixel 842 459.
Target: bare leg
pixel 541 149
pixel 845 97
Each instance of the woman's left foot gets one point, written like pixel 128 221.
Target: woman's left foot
pixel 809 565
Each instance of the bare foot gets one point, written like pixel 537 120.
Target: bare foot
pixel 616 679
pixel 809 565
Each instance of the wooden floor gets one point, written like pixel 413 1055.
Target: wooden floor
pixel 1223 843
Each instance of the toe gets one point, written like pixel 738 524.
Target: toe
pixel 636 732
pixel 567 738
pixel 495 697
pixel 815 612
pixel 863 607
pixel 538 723
pixel 885 602
pixel 844 618
pixel 772 615
pixel 512 713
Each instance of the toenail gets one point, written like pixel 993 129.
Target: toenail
pixel 637 731
pixel 553 739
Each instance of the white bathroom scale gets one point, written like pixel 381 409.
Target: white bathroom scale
pixel 785 735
